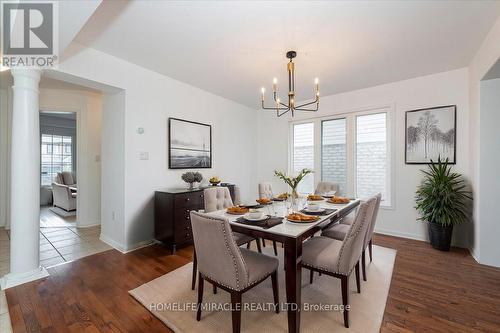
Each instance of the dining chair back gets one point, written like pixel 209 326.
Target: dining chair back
pixel 217 198
pixel 219 257
pixel 265 190
pixel 352 245
pixel 325 187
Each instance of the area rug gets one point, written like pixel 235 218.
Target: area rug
pixel 171 300
pixel 62 212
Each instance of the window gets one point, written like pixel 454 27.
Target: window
pixel 334 152
pixel 353 149
pixel 303 154
pixel 56 156
pixel 371 155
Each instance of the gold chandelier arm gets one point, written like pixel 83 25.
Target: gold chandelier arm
pixel 309 103
pixel 274 108
pixel 315 109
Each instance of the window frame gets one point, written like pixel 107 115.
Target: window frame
pixel 291 146
pixel 351 151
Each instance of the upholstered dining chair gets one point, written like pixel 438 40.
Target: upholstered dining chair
pixel 325 187
pixel 338 232
pixel 217 198
pixel 265 190
pixel 339 258
pixel 229 267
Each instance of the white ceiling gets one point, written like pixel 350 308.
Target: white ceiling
pixel 233 48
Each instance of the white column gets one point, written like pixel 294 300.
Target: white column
pixel 25 181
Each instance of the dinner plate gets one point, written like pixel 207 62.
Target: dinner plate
pixel 321 210
pixel 320 199
pixel 302 222
pixel 248 218
pixel 242 213
pixel 251 205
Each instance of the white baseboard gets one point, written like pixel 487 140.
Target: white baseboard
pixel 122 248
pixel 400 234
pixel 92 224
pixel 11 280
pixel 474 254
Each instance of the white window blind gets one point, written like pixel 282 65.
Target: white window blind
pixel 303 154
pixel 56 156
pixel 372 164
pixel 334 152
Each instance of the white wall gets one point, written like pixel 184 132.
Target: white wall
pixel 87 106
pixel 149 100
pixel 427 91
pixel 489 181
pixel 485 58
pixel 113 170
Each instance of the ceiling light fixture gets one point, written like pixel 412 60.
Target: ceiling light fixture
pixel 282 108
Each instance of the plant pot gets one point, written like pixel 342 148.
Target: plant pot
pixel 440 236
pixel 192 186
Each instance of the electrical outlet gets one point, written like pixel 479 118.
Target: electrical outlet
pixel 144 155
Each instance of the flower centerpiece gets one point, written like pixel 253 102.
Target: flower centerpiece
pixel 293 182
pixel 192 178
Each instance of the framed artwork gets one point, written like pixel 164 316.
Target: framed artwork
pixel 431 133
pixel 189 144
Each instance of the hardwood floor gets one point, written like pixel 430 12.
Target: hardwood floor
pixel 431 291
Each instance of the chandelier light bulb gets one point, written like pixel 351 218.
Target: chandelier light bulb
pixel 290 105
pixel 262 90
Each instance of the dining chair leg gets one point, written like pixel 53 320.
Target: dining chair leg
pixel 200 296
pixel 344 281
pixel 274 280
pixel 311 276
pixel 358 281
pixel 248 245
pixel 275 248
pixel 370 249
pixel 363 264
pixel 215 289
pixel 195 268
pixel 236 311
pixel 259 248
pixel 263 242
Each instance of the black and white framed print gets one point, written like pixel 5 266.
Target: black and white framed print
pixel 431 133
pixel 189 144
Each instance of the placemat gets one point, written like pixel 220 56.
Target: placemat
pixel 265 224
pixel 325 212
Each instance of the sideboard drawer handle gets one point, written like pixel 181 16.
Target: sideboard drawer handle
pixel 187 199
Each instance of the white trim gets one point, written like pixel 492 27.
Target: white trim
pixel 92 224
pixel 11 280
pixel 350 116
pixel 474 255
pixel 401 234
pixel 125 249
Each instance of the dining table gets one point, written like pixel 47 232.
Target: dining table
pixel 291 235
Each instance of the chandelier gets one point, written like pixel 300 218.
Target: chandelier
pixel 282 108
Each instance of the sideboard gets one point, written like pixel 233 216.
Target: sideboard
pixel 172 219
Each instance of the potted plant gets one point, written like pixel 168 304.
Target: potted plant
pixel 293 182
pixel 441 200
pixel 192 178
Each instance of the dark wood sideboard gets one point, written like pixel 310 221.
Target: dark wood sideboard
pixel 172 219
